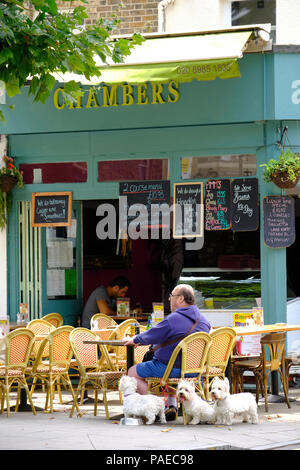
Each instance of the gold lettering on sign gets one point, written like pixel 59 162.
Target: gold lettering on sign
pixel 109 96
pixel 127 95
pixel 57 92
pixel 106 96
pixel 142 94
pixel 92 99
pixel 173 91
pixel 157 89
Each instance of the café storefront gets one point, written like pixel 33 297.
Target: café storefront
pixel 205 120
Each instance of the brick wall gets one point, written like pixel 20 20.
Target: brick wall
pixel 135 15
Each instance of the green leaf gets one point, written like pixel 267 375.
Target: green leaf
pixel 2 117
pixel 5 55
pixel 12 87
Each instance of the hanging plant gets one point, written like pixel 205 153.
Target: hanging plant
pixel 284 172
pixel 10 177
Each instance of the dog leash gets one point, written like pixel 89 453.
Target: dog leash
pixel 164 391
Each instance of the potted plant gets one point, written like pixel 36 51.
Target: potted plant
pixel 10 177
pixel 284 172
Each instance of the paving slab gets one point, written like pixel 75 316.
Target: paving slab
pixel 279 427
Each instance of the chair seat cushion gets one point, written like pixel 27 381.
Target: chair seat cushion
pixel 11 372
pixel 215 371
pixel 170 380
pixel 114 374
pixel 44 369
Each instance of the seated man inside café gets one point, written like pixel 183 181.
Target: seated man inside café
pixel 103 299
pixel 185 318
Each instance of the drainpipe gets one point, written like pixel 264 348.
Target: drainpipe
pixel 3 244
pixel 162 15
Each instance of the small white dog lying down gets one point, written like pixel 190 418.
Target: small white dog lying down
pixel 196 409
pixel 229 406
pixel 135 404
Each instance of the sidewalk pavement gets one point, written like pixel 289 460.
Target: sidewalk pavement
pixel 277 429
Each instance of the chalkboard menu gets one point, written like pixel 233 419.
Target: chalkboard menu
pixel 148 202
pixel 217 205
pixel 244 204
pixel 279 221
pixel 51 209
pixel 188 210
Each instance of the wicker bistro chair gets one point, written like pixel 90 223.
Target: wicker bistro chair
pixel 223 342
pixel 18 347
pixel 271 359
pixel 194 350
pixel 55 319
pixel 103 320
pixel 120 352
pixel 41 328
pixel 56 368
pixel 91 372
pixel 140 350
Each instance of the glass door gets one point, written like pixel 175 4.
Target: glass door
pixel 62 269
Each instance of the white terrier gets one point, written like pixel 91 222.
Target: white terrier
pixel 196 409
pixel 140 405
pixel 229 406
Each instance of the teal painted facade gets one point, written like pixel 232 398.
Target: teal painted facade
pixel 242 115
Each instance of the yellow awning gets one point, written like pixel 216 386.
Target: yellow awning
pixel 182 58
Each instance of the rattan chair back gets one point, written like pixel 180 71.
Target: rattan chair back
pixel 54 318
pixel 40 327
pixel 58 345
pixel 86 355
pixel 90 370
pixel 55 369
pixel 140 350
pixel 194 350
pixel 103 320
pixel 18 345
pixel 223 342
pixel 119 333
pixel 274 343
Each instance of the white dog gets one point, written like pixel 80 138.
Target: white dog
pixel 229 406
pixel 136 404
pixel 196 409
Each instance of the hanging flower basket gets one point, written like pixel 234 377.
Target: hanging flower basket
pixel 7 183
pixel 10 177
pixel 283 180
pixel 285 171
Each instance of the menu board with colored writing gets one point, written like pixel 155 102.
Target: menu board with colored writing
pixel 244 204
pixel 217 205
pixel 188 214
pixel 279 221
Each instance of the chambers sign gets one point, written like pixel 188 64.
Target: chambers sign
pixel 105 96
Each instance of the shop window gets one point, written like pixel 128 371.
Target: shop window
pixel 60 172
pixel 246 12
pixel 61 261
pixel 101 251
pixel 133 170
pixel 220 166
